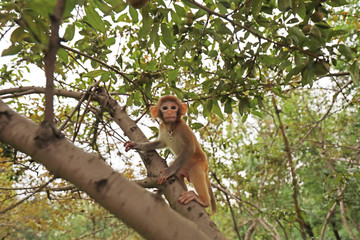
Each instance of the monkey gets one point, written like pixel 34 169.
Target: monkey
pixel 190 160
pixel 137 4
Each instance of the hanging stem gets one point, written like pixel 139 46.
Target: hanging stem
pixel 304 227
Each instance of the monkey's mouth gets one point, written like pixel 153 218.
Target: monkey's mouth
pixel 170 119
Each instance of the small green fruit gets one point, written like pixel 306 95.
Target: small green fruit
pixel 137 4
pixel 306 29
pixel 317 16
pixel 190 15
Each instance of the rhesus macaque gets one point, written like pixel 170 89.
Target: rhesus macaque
pixel 190 160
pixel 137 3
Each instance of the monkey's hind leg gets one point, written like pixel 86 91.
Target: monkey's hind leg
pixel 199 180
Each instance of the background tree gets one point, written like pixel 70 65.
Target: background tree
pixel 273 93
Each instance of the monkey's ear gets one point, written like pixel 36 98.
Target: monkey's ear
pixel 154 111
pixel 183 108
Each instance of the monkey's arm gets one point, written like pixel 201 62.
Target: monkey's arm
pixel 148 146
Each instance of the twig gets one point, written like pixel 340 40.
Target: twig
pixel 231 208
pixel 21 201
pixel 324 116
pixel 342 205
pixel 329 215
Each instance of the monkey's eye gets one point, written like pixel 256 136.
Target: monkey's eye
pixel 165 108
pixel 173 107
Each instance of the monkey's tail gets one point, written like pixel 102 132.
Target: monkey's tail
pixel 212 197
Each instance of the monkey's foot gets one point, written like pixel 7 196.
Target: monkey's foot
pixel 189 196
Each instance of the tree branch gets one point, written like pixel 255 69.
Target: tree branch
pixel 50 60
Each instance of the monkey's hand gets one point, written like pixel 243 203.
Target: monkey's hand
pixel 165 174
pixel 129 145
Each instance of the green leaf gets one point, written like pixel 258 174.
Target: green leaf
pixel 257 113
pixel 134 14
pixel 213 53
pixel 13 49
pixel 267 60
pixel 63 55
pixel 110 41
pixel 207 107
pixel 346 52
pixel 69 32
pixel 223 29
pixel 354 73
pixel 216 108
pixel 307 77
pixel 106 76
pixel 228 106
pixel 284 5
pixel 196 125
pixel 69 6
pixel 301 11
pixel 297 35
pixel 243 105
pixel 180 10
pixel 296 70
pixel 94 19
pixel 94 73
pixel 146 26
pixel 18 35
pixel 166 36
pixel 173 74
pixel 256 7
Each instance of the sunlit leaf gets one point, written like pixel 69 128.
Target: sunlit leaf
pixel 94 19
pixel 13 49
pixel 94 73
pixel 69 32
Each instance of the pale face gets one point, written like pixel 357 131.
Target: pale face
pixel 169 111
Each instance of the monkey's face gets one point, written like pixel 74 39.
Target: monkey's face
pixel 169 111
